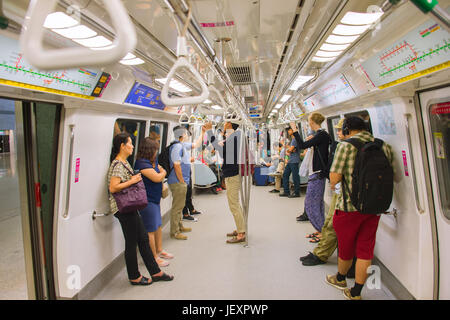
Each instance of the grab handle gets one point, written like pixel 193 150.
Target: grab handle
pixel 413 167
pixel 69 174
pixel 33 33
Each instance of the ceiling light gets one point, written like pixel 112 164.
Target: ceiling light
pixel 132 62
pixel 278 106
pixel 129 56
pixel 103 48
pixel 216 107
pixel 341 39
pixel 59 20
pixel 77 32
pixel 320 59
pixel 345 30
pixel 95 42
pixel 300 81
pixel 357 18
pixel 285 98
pixel 207 101
pixel 334 47
pixel 174 84
pixel 327 54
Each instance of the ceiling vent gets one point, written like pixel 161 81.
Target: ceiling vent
pixel 241 73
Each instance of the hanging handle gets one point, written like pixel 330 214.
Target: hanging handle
pixel 33 34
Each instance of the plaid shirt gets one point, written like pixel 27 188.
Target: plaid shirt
pixel 344 162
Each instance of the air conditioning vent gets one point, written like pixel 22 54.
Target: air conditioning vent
pixel 241 73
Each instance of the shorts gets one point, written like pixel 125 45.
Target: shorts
pixel 356 234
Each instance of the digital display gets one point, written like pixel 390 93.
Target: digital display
pixel 14 67
pixel 101 84
pixel 142 95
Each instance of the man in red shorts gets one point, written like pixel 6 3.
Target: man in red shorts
pixel 356 232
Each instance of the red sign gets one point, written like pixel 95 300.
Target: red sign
pixel 441 108
pixel 217 24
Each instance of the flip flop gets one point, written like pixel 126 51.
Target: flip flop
pixel 166 255
pixel 143 282
pixel 164 277
pixel 314 240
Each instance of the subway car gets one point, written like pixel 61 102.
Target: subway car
pixel 75 73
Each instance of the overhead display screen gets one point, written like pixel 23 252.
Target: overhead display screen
pixel 145 96
pixel 15 68
pixel 422 51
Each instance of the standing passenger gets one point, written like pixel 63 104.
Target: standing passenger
pixel 292 166
pixel 120 177
pixel 154 174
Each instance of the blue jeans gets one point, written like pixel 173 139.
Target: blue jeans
pixel 291 168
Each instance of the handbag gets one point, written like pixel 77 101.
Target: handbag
pixel 304 167
pixel 131 198
pixel 165 191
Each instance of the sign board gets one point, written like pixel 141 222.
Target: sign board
pixel 145 96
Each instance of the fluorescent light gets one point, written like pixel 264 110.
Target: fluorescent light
pixel 278 106
pixel 59 20
pixel 132 62
pixel 77 32
pixel 174 84
pixel 95 42
pixel 341 39
pixel 320 59
pixel 345 30
pixel 327 54
pixel 129 56
pixel 216 107
pixel 334 47
pixel 357 18
pixel 300 81
pixel 207 101
pixel 285 98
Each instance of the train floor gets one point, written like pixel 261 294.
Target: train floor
pixel 207 268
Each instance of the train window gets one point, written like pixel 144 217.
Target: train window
pixel 364 115
pixel 136 130
pixel 440 126
pixel 331 130
pixel 158 131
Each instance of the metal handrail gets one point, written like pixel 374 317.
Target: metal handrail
pixel 69 174
pixel 413 168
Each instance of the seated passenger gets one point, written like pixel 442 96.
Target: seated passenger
pixel 120 176
pixel 153 176
pixel 278 161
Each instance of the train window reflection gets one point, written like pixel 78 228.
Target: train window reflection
pixel 136 130
pixel 331 129
pixel 158 131
pixel 440 128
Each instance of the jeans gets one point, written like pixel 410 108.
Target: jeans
pixel 136 235
pixel 291 168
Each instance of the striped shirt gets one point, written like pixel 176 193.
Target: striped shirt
pixel 344 162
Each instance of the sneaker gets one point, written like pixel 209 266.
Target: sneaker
pixel 274 191
pixel 302 217
pixel 295 195
pixel 284 194
pixel 179 236
pixel 190 218
pixel 313 260
pixel 348 295
pixel 184 229
pixel 307 256
pixel 332 281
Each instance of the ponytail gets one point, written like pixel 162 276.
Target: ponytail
pixel 117 142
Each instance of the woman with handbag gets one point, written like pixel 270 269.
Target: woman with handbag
pixel 121 178
pixel 153 177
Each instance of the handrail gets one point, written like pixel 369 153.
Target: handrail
pixel 413 168
pixel 69 174
pixel 183 121
pixel 213 89
pixel 33 33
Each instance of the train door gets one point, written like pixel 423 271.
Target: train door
pixel 27 179
pixel 435 107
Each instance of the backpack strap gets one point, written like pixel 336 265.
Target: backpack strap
pixel 358 144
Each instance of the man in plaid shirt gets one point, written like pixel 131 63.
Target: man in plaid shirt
pixel 356 232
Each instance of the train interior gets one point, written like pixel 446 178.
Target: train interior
pixel 73 73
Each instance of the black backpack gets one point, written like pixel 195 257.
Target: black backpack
pixel 373 178
pixel 164 158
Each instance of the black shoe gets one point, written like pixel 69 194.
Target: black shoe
pixel 189 218
pixel 284 195
pixel 295 195
pixel 312 261
pixel 195 212
pixel 302 217
pixel 274 191
pixel 307 256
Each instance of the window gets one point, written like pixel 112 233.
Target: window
pixel 136 130
pixel 158 131
pixel 364 115
pixel 331 129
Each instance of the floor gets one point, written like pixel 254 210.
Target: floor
pixel 206 268
pixel 12 265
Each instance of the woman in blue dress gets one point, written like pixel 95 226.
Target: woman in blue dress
pixel 153 176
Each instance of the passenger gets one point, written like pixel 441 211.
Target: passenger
pixel 231 174
pixel 179 178
pixel 189 209
pixel 356 232
pixel 292 166
pixel 320 142
pixel 279 163
pixel 153 176
pixel 120 177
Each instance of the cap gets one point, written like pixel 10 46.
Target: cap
pixel 340 124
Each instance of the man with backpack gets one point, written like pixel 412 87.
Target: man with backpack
pixel 364 166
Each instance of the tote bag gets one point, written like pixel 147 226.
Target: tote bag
pixel 132 198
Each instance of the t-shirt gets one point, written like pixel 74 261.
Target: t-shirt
pixel 154 189
pixel 294 157
pixel 117 169
pixel 180 152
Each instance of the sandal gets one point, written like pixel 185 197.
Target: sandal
pixel 236 240
pixel 166 255
pixel 314 240
pixel 162 262
pixel 232 234
pixel 143 282
pixel 312 235
pixel 164 277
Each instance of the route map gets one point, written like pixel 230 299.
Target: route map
pixel 423 50
pixel 14 67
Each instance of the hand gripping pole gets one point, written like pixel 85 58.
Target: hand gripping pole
pixel 33 34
